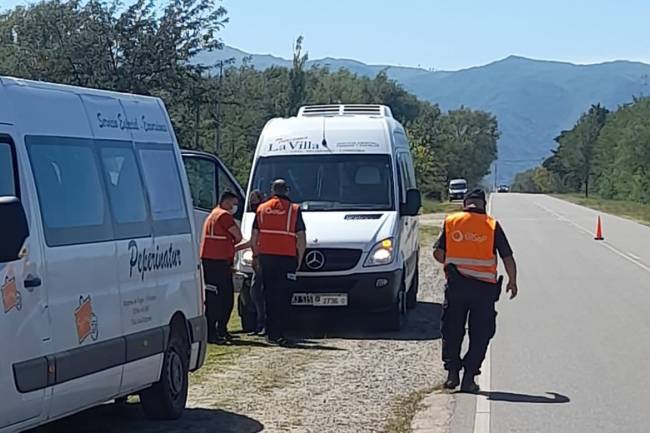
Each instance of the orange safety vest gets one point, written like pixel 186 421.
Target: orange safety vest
pixel 276 221
pixel 217 243
pixel 469 244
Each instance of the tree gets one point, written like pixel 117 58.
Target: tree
pixel 297 79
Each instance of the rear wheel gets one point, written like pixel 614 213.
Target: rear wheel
pixel 248 318
pixel 165 400
pixel 412 294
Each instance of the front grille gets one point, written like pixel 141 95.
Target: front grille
pixel 335 259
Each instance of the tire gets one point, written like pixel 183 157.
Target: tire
pixel 412 294
pixel 166 399
pixel 248 317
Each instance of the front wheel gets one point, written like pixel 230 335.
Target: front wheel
pixel 393 319
pixel 165 400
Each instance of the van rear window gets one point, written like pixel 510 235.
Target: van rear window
pixel 7 172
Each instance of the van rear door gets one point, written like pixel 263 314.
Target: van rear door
pixel 24 320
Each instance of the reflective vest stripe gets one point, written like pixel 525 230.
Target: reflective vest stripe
pixel 278 232
pixel 217 237
pixel 471 262
pixel 488 276
pixel 289 217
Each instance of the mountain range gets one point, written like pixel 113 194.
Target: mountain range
pixel 534 100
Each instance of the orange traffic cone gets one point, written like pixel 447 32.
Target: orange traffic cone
pixel 599 231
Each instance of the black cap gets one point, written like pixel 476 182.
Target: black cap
pixel 476 194
pixel 279 186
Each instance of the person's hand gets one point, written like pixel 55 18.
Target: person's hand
pixel 512 288
pixel 256 264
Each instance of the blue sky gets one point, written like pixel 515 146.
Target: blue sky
pixel 443 34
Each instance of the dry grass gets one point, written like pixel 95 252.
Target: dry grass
pixel 638 212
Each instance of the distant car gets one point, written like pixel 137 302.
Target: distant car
pixel 457 189
pixel 503 188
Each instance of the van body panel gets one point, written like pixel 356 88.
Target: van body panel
pixel 112 273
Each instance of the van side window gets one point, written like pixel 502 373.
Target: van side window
pixel 201 174
pixel 7 172
pixel 70 191
pixel 226 184
pixel 163 182
pixel 125 191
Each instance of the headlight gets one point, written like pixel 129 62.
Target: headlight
pixel 381 254
pixel 247 258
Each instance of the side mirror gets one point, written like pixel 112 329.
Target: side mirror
pixel 14 229
pixel 413 203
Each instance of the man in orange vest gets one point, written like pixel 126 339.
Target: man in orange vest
pixel 278 242
pixel 219 242
pixel 468 247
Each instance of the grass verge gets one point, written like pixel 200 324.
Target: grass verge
pixel 433 206
pixel 429 232
pixel 218 357
pixel 404 410
pixel 635 211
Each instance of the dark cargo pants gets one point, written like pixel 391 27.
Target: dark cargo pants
pixel 469 302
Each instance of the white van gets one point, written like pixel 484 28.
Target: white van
pixel 350 168
pixel 100 281
pixel 457 189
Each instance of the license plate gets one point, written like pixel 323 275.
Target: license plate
pixel 320 299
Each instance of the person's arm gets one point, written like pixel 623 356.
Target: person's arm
pixel 301 246
pixel 243 246
pixel 255 236
pixel 228 222
pixel 505 251
pixel 439 247
pixel 511 269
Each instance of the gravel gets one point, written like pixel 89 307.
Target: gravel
pixel 346 379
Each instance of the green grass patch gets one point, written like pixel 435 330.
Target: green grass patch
pixel 433 206
pixel 429 232
pixel 218 357
pixel 404 410
pixel 635 211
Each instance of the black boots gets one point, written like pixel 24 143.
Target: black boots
pixel 468 384
pixel 453 379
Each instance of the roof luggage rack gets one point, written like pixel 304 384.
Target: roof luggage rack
pixel 345 110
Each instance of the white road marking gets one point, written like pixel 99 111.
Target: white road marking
pixel 629 257
pixel 634 256
pixel 482 416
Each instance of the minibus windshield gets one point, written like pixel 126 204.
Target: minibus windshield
pixel 330 182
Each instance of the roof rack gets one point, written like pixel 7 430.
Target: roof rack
pixel 345 110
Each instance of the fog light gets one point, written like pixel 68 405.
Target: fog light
pixel 381 282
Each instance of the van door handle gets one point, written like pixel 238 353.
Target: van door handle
pixel 32 282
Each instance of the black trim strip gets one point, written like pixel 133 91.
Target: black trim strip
pixel 31 375
pixel 57 368
pixel 198 329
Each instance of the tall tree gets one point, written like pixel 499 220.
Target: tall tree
pixel 297 78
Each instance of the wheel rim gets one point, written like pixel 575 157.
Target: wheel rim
pixel 176 374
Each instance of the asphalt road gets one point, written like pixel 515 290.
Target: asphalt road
pixel 572 352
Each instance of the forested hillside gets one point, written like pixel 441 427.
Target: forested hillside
pixel 222 108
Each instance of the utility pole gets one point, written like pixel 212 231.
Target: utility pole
pixel 217 142
pixel 196 117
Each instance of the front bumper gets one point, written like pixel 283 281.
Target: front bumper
pixel 370 292
pixel 456 195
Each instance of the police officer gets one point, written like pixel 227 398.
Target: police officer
pixel 278 242
pixel 468 247
pixel 220 240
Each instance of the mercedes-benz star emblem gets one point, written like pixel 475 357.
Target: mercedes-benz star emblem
pixel 315 260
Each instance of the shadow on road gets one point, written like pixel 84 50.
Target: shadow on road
pixel 422 323
pixel 128 418
pixel 525 398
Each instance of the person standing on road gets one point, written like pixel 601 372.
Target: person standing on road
pixel 219 242
pixel 278 242
pixel 468 247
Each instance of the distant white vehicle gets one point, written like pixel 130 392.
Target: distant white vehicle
pixel 100 282
pixel 457 189
pixel 350 168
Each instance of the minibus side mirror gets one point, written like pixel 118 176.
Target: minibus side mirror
pixel 13 229
pixel 413 203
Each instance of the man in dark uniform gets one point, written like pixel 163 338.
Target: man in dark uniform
pixel 468 247
pixel 278 242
